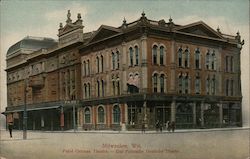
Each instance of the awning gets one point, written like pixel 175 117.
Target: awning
pixel 30 109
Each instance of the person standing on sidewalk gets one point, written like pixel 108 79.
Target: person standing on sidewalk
pixel 10 127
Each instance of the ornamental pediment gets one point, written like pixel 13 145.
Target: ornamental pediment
pixel 104 32
pixel 199 29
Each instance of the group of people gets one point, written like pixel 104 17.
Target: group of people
pixel 169 126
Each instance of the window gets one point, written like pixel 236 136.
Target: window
pixel 155 82
pixel 227 87
pixel 113 83
pixel 116 114
pixel 197 59
pixel 98 89
pixel 213 61
pixel 118 87
pixel 161 55
pixel 118 59
pixel 186 85
pixel 87 116
pixel 227 63
pixel 88 68
pixel 100 115
pixel 84 67
pixel 102 65
pixel 207 60
pixel 180 83
pixel 180 57
pixel 85 91
pixel 162 83
pixel 113 61
pixel 213 86
pixel 208 85
pixel 232 87
pixel 154 54
pixel 103 88
pixel 97 64
pixel 131 56
pixel 136 56
pixel 89 90
pixel 186 63
pixel 197 84
pixel 231 64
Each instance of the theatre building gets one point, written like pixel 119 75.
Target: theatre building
pixel 122 77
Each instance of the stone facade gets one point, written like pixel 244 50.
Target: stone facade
pixel 122 78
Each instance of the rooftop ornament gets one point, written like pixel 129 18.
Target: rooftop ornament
pixel 68 16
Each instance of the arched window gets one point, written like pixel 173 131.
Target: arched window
pixel 118 87
pixel 155 82
pixel 102 65
pixel 113 61
pixel 197 85
pixel 88 65
pixel 154 54
pixel 180 57
pixel 207 60
pixel 131 56
pixel 85 91
pixel 118 59
pixel 227 87
pixel 136 56
pixel 162 85
pixel 208 85
pixel 161 55
pixel 98 89
pixel 84 67
pixel 197 59
pixel 116 114
pixel 213 86
pixel 180 83
pixel 103 88
pixel 213 61
pixel 87 116
pixel 97 64
pixel 186 63
pixel 186 84
pixel 101 115
pixel 89 90
pixel 113 83
pixel 232 87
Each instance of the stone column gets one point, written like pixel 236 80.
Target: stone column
pixel 202 113
pixel 79 118
pixel 173 110
pixel 126 113
pixel 194 115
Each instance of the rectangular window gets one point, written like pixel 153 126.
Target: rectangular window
pixel 231 64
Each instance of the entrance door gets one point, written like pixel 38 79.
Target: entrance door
pixel 163 115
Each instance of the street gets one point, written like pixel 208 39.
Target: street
pixel 182 144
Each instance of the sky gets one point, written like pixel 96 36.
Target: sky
pixel 19 19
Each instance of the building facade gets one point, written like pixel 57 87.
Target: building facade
pixel 138 73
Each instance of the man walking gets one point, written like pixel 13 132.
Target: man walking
pixel 10 127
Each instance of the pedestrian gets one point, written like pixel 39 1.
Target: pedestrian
pixel 173 126
pixel 157 125
pixel 160 126
pixel 168 126
pixel 143 127
pixel 10 126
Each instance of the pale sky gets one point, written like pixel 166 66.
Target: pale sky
pixel 42 17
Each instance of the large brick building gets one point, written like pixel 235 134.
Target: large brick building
pixel 140 72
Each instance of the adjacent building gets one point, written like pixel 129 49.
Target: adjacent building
pixel 122 77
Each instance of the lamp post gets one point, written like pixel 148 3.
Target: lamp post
pixel 25 111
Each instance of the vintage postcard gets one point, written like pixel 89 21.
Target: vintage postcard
pixel 124 79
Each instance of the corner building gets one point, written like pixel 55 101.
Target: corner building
pixel 141 72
